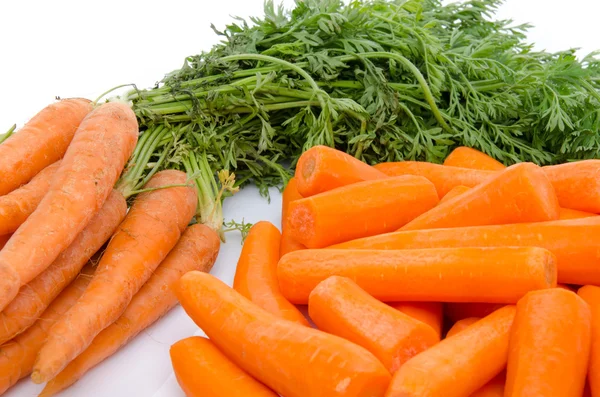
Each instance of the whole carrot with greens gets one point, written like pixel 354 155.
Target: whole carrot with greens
pixel 430 313
pixel 591 294
pixel 290 193
pixel 466 157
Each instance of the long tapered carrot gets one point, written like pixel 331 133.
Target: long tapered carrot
pixel 41 142
pixel 461 325
pixel 430 313
pixel 93 162
pixel 340 307
pixel 33 298
pixel 17 356
pixel 521 193
pixel 591 294
pixel 499 275
pixel 290 193
pixel 358 210
pixel 467 157
pixel 454 192
pixel 291 359
pixel 256 272
pixel 197 249
pixel 549 345
pixel 16 206
pixel 150 230
pixel 322 168
pixel 577 184
pixel 460 365
pixel 573 242
pixel 203 371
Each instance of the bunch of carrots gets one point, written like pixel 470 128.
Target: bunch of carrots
pixel 463 279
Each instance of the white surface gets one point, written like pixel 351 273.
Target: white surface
pixel 64 48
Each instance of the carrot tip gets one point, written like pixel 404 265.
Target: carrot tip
pixel 36 377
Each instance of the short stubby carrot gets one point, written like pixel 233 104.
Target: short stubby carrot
pixel 197 249
pixel 549 345
pixel 151 228
pixel 203 371
pixel 591 294
pixel 322 168
pixel 340 307
pixel 34 297
pixel 16 206
pixel 461 325
pixel 467 157
pixel 41 142
pixel 460 365
pixel 293 360
pixel 359 210
pixel 456 311
pixel 94 160
pixel 430 313
pixel 574 243
pixel 577 184
pixel 521 193
pixel 290 193
pixel 454 192
pixel 498 275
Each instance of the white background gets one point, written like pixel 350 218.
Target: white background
pixel 75 48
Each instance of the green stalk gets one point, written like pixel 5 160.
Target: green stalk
pixel 8 133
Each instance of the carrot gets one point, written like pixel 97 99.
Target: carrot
pixel 18 355
pixel 494 388
pixel 591 294
pixel 340 307
pixel 566 213
pixel 293 360
pixel 577 184
pixel 466 157
pixel 549 345
pixel 256 273
pixel 150 230
pixel 101 146
pixel 290 193
pixel 17 205
pixel 359 210
pixel 454 192
pixel 322 168
pixel 430 313
pixel 3 240
pixel 498 275
pixel 521 193
pixel 41 142
pixel 456 311
pixel 33 298
pixel 573 242
pixel 460 365
pixel 203 371
pixel 197 249
pixel 461 325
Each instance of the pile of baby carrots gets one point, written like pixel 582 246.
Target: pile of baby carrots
pixel 463 279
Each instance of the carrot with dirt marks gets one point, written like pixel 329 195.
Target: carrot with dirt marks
pixel 591 294
pixel 577 184
pixel 430 313
pixel 466 157
pixel 290 193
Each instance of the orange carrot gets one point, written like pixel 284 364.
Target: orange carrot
pixel 460 365
pixel 461 325
pixel 359 210
pixel 291 359
pixel 203 371
pixel 573 242
pixel 340 307
pixel 466 157
pixel 577 184
pixel 197 249
pixel 95 158
pixel 150 230
pixel 290 193
pixel 494 388
pixel 322 168
pixel 17 356
pixel 41 142
pixel 456 311
pixel 34 298
pixel 498 275
pixel 454 192
pixel 256 273
pixel 430 313
pixel 17 205
pixel 521 193
pixel 566 213
pixel 549 345
pixel 591 294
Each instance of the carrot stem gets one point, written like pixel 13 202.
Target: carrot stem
pixel 8 133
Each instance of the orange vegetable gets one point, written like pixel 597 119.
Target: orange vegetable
pixel 460 365
pixel 293 360
pixel 290 193
pixel 466 157
pixel 494 388
pixel 3 240
pixel 500 275
pixel 591 294
pixel 322 168
pixel 566 213
pixel 549 345
pixel 461 325
pixel 430 313
pixel 577 184
pixel 454 192
pixel 256 273
pixel 340 307
pixel 359 210
pixel 456 311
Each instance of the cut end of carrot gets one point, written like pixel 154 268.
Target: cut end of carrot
pixel 309 167
pixel 302 221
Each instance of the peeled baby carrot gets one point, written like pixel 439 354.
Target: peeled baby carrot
pixel 293 360
pixel 358 210
pixel 203 371
pixel 456 311
pixel 499 275
pixel 467 157
pixel 591 294
pixel 521 193
pixel 454 192
pixel 290 193
pixel 460 365
pixel 577 184
pixel 494 388
pixel 461 325
pixel 566 213
pixel 340 307
pixel 256 273
pixel 549 345
pixel 430 313
pixel 322 168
